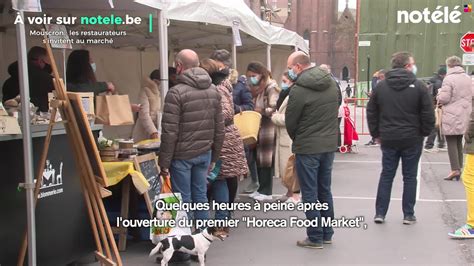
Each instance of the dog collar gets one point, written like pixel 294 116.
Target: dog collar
pixel 207 238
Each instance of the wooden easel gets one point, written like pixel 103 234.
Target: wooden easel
pixel 122 232
pixel 91 171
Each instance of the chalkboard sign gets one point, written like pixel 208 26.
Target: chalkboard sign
pixel 147 165
pixel 88 138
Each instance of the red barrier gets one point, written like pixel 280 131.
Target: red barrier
pixel 358 114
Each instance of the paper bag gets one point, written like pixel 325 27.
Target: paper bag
pixel 290 179
pixel 9 126
pixel 113 110
pixel 438 117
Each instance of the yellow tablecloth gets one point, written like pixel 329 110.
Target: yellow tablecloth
pixel 116 171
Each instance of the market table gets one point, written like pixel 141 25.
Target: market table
pixel 122 172
pixel 63 232
pixel 117 171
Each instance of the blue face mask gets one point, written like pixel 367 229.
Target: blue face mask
pixel 291 73
pixel 284 86
pixel 94 67
pixel 254 80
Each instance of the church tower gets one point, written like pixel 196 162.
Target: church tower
pixel 315 20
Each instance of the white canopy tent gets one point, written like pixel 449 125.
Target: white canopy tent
pixel 227 13
pixel 207 27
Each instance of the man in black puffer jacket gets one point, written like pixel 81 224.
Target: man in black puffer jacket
pixel 400 113
pixel 435 84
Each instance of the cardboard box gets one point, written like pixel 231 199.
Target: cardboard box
pixel 87 99
pixel 9 126
pixel 51 96
pixel 3 112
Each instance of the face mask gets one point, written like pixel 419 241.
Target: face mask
pixel 414 69
pixel 94 67
pixel 254 80
pixel 292 74
pixel 284 86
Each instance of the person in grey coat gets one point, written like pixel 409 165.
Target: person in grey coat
pixel 455 97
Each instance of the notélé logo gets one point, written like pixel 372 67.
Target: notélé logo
pixel 442 14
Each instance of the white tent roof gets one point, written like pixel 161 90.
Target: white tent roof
pixel 98 5
pixel 226 13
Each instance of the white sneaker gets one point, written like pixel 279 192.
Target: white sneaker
pixel 254 194
pixel 292 200
pixel 263 197
pixel 283 198
pixel 251 188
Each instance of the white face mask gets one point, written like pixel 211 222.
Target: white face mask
pixel 94 67
pixel 414 69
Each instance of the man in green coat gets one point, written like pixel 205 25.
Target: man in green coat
pixel 311 122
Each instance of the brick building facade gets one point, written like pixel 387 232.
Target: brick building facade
pixel 331 34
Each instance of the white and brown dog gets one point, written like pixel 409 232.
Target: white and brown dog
pixel 197 244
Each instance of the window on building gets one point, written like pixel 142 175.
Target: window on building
pixel 345 73
pixel 306 35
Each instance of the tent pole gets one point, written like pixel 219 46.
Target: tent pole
pixel 64 67
pixel 269 57
pixel 27 141
pixel 234 56
pixel 163 46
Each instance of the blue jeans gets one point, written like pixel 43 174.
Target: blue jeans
pixel 220 194
pixel 390 157
pixel 189 177
pixel 314 174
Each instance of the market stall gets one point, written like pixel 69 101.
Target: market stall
pixel 62 227
pixel 199 25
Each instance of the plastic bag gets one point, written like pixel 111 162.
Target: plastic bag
pixel 215 172
pixel 159 233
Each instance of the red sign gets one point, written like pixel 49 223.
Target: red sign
pixel 467 42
